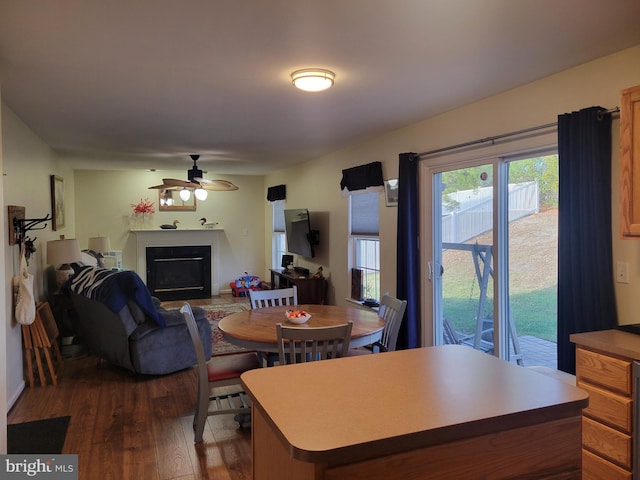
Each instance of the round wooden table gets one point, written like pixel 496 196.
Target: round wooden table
pixel 256 329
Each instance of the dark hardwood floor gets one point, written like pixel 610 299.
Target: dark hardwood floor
pixel 126 426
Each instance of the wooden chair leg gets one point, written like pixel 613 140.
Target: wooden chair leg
pixel 36 352
pixel 49 331
pixel 52 370
pixel 202 408
pixel 28 351
pixel 44 342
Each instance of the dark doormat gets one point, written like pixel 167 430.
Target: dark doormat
pixel 40 436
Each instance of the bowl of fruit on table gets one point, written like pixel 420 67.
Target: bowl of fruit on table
pixel 297 316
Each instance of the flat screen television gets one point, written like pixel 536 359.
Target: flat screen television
pixel 300 237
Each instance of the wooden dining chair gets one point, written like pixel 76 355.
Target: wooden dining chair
pixel 219 371
pixel 274 298
pixel 392 311
pixel 304 344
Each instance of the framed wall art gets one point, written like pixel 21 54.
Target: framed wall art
pixel 57 202
pixel 391 192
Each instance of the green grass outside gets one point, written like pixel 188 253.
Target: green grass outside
pixel 534 312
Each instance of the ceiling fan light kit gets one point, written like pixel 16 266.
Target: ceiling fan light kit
pixel 201 193
pixel 195 183
pixel 185 194
pixel 313 79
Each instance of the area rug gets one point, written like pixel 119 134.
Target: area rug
pixel 39 437
pixel 215 313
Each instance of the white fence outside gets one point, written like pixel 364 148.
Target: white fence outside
pixel 469 213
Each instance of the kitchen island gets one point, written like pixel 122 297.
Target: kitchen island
pixel 436 412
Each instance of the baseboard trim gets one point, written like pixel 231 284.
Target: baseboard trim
pixel 11 401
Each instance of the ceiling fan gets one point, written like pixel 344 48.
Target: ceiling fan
pixel 195 182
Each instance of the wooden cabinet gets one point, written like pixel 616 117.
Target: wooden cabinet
pixel 607 423
pixel 311 290
pixel 630 162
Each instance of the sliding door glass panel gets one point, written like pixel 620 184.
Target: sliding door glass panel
pixel 463 265
pixel 533 259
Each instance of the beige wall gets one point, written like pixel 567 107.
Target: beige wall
pixel 315 184
pixel 103 207
pixel 27 164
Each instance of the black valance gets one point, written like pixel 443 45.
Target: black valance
pixel 362 177
pixel 278 192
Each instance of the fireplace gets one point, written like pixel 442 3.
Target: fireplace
pixel 179 272
pixel 184 237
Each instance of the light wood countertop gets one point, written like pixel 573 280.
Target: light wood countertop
pixel 366 406
pixel 616 342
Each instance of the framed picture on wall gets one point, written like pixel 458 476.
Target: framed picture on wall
pixel 391 192
pixel 57 202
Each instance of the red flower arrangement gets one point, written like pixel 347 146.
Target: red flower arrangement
pixel 144 206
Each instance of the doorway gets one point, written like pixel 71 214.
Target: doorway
pixel 493 271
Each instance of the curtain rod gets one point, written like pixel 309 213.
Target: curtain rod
pixel 504 135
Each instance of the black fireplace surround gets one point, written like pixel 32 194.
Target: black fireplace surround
pixel 179 272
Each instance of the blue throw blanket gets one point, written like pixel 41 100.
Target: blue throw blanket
pixel 114 289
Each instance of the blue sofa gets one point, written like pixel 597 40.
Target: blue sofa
pixel 121 322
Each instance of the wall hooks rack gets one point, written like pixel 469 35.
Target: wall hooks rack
pixel 19 226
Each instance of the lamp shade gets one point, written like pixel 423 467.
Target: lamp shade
pixel 99 244
pixel 201 193
pixel 63 251
pixel 185 194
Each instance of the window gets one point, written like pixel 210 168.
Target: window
pixel 278 238
pixel 365 243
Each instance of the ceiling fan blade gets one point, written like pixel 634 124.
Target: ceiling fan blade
pixel 220 188
pixel 216 185
pixel 204 181
pixel 174 182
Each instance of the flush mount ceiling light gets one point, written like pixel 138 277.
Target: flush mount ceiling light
pixel 313 79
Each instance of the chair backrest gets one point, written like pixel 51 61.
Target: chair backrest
pixel 192 327
pixel 304 344
pixel 273 298
pixel 392 311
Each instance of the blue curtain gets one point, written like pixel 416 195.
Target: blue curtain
pixel 586 300
pixel 408 256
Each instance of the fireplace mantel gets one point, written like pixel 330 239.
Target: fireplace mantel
pixel 178 237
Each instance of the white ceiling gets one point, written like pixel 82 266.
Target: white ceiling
pixel 145 83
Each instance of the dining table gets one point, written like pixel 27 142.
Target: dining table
pixel 256 329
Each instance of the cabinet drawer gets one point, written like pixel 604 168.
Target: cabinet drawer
pixel 607 442
pixel 596 468
pixel 612 373
pixel 609 408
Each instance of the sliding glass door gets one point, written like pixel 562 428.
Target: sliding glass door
pixel 493 271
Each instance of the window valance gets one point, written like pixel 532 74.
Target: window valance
pixel 275 193
pixel 362 178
